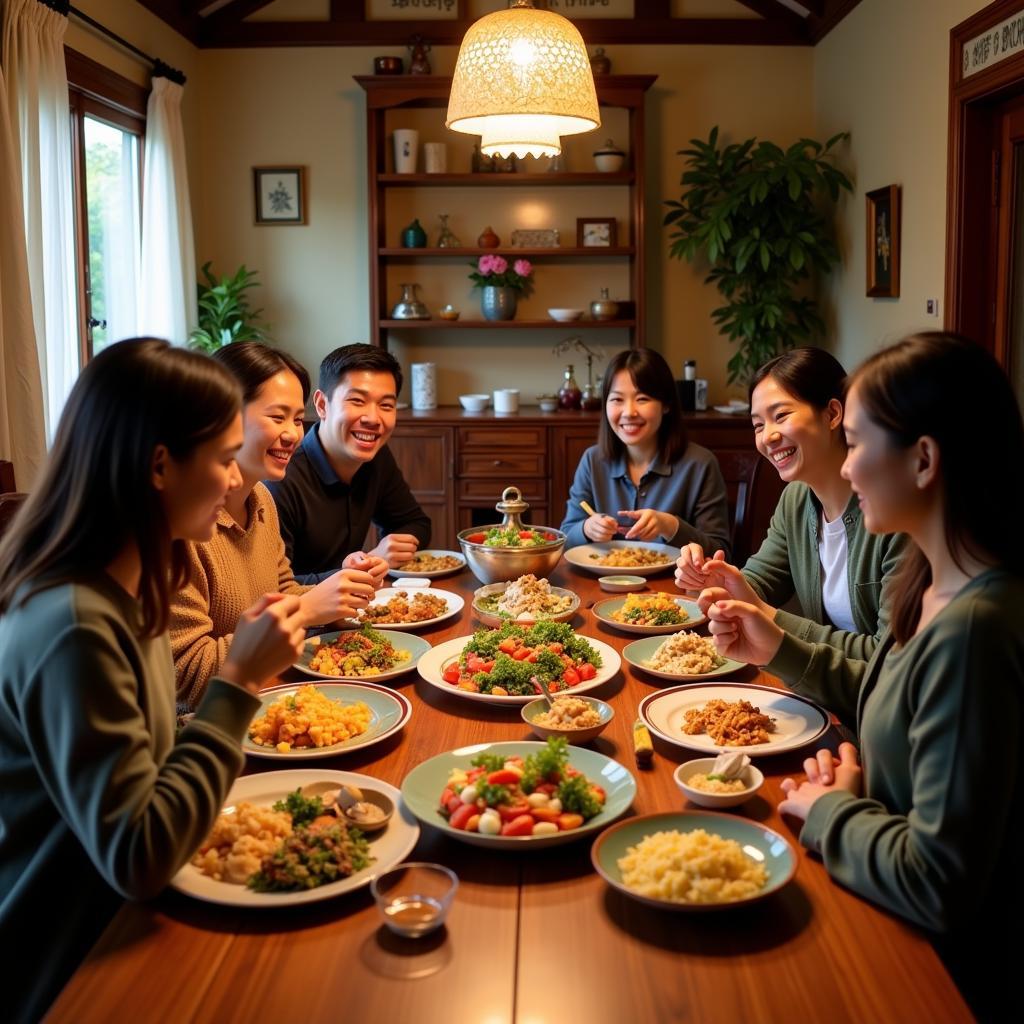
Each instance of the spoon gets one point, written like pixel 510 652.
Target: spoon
pixel 547 693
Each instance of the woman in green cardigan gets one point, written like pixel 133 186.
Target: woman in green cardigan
pixel 930 829
pixel 817 548
pixel 99 799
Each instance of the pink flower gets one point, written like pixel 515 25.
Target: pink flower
pixel 499 264
pixel 523 268
pixel 486 264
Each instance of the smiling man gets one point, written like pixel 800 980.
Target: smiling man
pixel 343 478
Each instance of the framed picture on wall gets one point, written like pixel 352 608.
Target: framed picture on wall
pixel 280 194
pixel 883 242
pixel 596 232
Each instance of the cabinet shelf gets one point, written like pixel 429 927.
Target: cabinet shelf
pixel 512 252
pixel 484 179
pixel 447 325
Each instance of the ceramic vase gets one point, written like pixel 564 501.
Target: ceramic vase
pixel 498 303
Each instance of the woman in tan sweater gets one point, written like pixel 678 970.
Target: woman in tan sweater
pixel 246 556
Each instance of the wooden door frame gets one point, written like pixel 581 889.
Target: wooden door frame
pixel 971 205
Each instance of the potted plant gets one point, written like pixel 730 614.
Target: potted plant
pixel 753 211
pixel 501 285
pixel 224 313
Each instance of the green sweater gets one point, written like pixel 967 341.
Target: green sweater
pixel 788 563
pixel 934 838
pixel 98 801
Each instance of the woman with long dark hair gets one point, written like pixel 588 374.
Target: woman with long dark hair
pixel 930 829
pixel 98 798
pixel 817 547
pixel 246 555
pixel 643 478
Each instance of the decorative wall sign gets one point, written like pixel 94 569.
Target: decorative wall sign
pixel 411 10
pixel 993 45
pixel 883 242
pixel 537 238
pixel 280 194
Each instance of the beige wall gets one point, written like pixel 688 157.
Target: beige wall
pixel 883 75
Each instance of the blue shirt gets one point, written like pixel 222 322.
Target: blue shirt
pixel 692 489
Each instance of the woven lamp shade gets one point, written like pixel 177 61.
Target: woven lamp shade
pixel 522 80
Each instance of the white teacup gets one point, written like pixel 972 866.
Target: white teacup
pixel 506 400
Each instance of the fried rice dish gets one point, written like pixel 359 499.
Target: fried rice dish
pixel 729 723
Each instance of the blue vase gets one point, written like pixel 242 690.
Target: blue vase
pixel 498 303
pixel 414 237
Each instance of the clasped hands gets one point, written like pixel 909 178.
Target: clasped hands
pixel 649 525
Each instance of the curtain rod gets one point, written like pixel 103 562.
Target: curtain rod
pixel 160 69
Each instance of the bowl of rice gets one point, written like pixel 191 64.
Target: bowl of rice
pixel 692 779
pixel 693 860
pixel 579 719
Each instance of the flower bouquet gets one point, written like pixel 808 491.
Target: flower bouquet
pixel 501 284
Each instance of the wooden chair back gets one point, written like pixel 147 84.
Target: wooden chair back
pixel 10 504
pixel 7 484
pixel 753 489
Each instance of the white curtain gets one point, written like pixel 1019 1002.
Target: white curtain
pixel 167 289
pixel 22 431
pixel 37 86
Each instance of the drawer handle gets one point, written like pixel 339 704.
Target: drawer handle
pixel 499 462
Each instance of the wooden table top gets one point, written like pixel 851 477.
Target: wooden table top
pixel 534 938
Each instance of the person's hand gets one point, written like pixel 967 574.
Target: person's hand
pixel 649 525
pixel 600 528
pixel 709 596
pixel 340 596
pixel 744 632
pixel 724 577
pixel 376 566
pixel 396 549
pixel 690 574
pixel 824 775
pixel 268 638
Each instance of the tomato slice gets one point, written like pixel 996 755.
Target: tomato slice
pixel 570 677
pixel 587 671
pixel 503 777
pixel 509 812
pixel 567 822
pixel 461 815
pixel 521 826
pixel 451 674
pixel 476 538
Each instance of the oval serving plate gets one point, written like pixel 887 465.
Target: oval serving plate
pixel 389 709
pixel 389 847
pixel 416 646
pixel 760 843
pixel 605 609
pixel 492 618
pixel 455 604
pixel 586 557
pixel 413 573
pixel 437 659
pixel 640 651
pixel 422 788
pixel 798 721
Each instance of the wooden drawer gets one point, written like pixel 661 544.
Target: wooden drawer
pixel 486 491
pixel 504 464
pixel 498 435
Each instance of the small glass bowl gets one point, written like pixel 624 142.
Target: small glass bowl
pixel 414 898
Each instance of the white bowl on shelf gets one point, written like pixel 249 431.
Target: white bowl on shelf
pixel 565 316
pixel 474 403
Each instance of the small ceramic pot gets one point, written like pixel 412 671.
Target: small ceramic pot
pixel 609 158
pixel 488 239
pixel 600 63
pixel 414 237
pixel 387 65
pixel 498 303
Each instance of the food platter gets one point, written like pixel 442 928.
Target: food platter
pixel 401 573
pixel 389 847
pixel 493 618
pixel 422 788
pixel 585 557
pixel 416 645
pixel 432 665
pixel 604 610
pixel 455 603
pixel 798 721
pixel 761 844
pixel 389 709
pixel 640 651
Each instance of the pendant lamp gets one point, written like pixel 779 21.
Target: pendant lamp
pixel 522 80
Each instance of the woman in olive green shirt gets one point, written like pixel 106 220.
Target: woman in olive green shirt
pixel 99 800
pixel 930 829
pixel 817 548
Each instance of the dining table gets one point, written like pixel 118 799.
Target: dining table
pixel 534 936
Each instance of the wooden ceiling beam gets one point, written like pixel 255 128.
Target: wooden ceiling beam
pixel 835 11
pixel 231 17
pixel 816 7
pixel 173 13
pixel 773 11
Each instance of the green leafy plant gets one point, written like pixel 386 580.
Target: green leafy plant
pixel 753 211
pixel 224 312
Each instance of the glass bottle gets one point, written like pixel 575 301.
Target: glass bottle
pixel 447 238
pixel 569 394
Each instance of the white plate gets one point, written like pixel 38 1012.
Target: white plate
pixel 400 641
pixel 603 610
pixel 640 651
pixel 437 659
pixel 412 574
pixel 455 603
pixel 490 618
pixel 580 558
pixel 798 722
pixel 389 712
pixel 732 410
pixel 390 847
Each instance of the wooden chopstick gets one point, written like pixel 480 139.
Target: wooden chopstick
pixel 586 508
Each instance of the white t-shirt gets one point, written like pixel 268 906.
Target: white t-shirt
pixel 835 590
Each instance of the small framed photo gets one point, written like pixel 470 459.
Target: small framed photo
pixel 883 242
pixel 595 232
pixel 280 194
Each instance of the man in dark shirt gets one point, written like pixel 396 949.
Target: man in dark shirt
pixel 343 477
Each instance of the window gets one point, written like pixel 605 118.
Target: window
pixel 108 130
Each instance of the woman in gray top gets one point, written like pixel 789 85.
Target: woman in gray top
pixel 99 800
pixel 643 478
